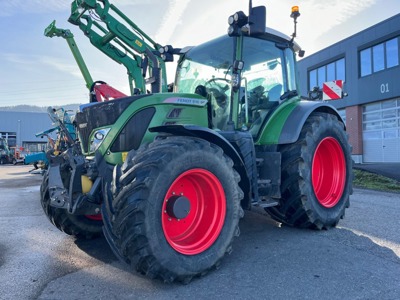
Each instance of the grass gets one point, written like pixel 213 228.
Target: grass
pixel 367 180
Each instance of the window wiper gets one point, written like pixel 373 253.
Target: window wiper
pixel 289 94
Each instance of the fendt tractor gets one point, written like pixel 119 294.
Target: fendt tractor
pixel 167 172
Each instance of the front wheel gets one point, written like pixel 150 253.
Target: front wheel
pixel 175 210
pixel 80 226
pixel 316 175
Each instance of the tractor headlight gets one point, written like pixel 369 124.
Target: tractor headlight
pixel 98 138
pixel 231 20
pixel 231 30
pixel 240 18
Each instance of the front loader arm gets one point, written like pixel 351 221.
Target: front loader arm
pixel 99 90
pixel 126 44
pixel 52 31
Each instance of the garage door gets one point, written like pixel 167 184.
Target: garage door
pixel 381 131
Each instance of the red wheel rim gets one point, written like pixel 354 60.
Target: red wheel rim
pixel 97 217
pixel 328 172
pixel 199 229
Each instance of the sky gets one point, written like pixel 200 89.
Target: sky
pixel 37 70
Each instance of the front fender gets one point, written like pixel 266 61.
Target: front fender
pixel 214 137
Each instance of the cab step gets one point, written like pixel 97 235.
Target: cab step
pixel 266 203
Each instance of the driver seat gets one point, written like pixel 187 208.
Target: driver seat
pixel 274 94
pixel 272 100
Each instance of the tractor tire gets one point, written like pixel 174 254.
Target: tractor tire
pixel 79 226
pixel 3 161
pixel 317 175
pixel 175 208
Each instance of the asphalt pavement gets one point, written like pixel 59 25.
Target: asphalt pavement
pixel 360 259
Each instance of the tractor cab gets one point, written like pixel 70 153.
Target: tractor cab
pixel 267 78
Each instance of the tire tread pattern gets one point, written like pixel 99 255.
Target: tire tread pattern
pixel 76 225
pixel 126 209
pixel 297 206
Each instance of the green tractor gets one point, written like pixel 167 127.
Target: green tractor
pixel 166 176
pixel 10 155
pixel 5 153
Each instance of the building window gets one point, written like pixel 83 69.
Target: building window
pixel 379 57
pixel 11 138
pixel 329 72
pixel 366 62
pixel 392 53
pixel 32 147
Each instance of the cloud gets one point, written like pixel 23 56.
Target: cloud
pixel 319 20
pixel 37 62
pixel 66 67
pixel 13 7
pixel 352 8
pixel 133 2
pixel 17 59
pixel 171 20
pixel 200 24
pixel 336 11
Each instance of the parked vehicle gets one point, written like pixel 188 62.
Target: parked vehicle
pixel 167 175
pixel 5 153
pixel 10 155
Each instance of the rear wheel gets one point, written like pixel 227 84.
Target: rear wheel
pixel 80 226
pixel 175 210
pixel 316 175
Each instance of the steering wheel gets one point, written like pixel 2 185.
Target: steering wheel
pixel 217 90
pixel 213 82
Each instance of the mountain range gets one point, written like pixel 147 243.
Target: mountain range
pixel 34 108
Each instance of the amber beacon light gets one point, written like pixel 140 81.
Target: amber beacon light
pixel 295 12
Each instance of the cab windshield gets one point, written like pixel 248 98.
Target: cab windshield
pixel 207 70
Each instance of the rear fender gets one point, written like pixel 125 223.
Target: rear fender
pixel 284 127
